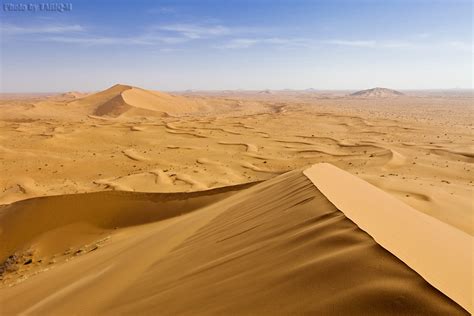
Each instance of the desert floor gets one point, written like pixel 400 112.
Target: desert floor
pixel 417 148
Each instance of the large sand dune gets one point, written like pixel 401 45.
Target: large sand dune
pixel 121 99
pixel 278 247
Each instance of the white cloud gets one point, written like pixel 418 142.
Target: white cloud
pixel 289 42
pixel 44 29
pixel 195 31
pixel 236 37
pixel 353 43
pixel 150 39
pixel 162 10
pixel 239 43
pixel 82 40
pixel 103 40
pixel 397 44
pixel 170 50
pixel 280 42
pixel 403 44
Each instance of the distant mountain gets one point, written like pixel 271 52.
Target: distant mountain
pixel 73 95
pixel 377 93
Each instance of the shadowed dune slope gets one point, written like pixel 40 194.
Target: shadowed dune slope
pixel 24 221
pixel 442 254
pixel 278 247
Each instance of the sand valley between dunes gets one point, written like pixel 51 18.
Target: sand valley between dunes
pixel 130 201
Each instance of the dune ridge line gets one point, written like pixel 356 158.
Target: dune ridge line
pixel 440 253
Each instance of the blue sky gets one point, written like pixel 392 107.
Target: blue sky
pixel 178 45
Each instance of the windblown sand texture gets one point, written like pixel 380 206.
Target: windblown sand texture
pixel 130 201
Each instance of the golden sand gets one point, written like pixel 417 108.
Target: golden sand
pixel 135 201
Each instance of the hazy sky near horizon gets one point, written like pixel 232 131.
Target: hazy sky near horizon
pixel 178 45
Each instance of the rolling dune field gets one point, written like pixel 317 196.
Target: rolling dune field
pixel 131 201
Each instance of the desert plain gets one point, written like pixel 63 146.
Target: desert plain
pixel 128 201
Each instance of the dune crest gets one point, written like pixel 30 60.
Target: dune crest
pixel 440 253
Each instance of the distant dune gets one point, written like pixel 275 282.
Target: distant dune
pixel 377 93
pixel 125 101
pixel 121 99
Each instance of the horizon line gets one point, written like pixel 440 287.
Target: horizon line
pixel 239 89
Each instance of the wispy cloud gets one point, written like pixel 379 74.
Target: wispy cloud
pixel 215 35
pixel 170 50
pixel 402 44
pixel 103 40
pixel 280 42
pixel 150 39
pixel 10 29
pixel 397 44
pixel 162 10
pixel 289 42
pixel 81 40
pixel 353 43
pixel 76 34
pixel 195 31
pixel 240 43
pixel 210 29
pixel 169 34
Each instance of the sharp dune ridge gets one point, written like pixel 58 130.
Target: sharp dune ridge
pixel 395 226
pixel 265 248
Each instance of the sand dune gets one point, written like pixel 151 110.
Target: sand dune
pixel 129 101
pixel 270 248
pixel 121 99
